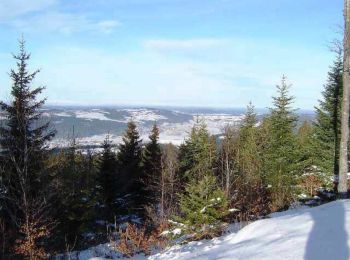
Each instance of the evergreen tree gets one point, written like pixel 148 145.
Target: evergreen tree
pixel 129 169
pixel 203 207
pixel 202 203
pixel 306 142
pixel 281 155
pixel 76 175
pixel 23 140
pixel 151 166
pixel 249 163
pixel 106 179
pixel 198 155
pixel 327 124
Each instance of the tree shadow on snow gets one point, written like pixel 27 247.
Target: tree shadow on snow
pixel 328 238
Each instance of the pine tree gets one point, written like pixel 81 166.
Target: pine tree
pixel 23 140
pixel 327 124
pixel 248 154
pixel 76 176
pixel 202 203
pixel 106 179
pixel 281 155
pixel 129 177
pixel 151 166
pixel 198 155
pixel 306 145
pixel 203 207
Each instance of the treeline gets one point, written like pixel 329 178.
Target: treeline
pixel 143 194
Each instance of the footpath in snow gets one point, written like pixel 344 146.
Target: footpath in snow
pixel 309 233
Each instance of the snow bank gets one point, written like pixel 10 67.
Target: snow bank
pixel 308 233
pixel 314 233
pixel 311 233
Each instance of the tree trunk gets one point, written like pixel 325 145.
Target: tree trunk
pixel 343 157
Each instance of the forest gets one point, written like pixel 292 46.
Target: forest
pixel 144 195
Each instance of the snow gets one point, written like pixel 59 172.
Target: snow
pixel 312 233
pixel 62 114
pixel 141 115
pixel 94 114
pixel 301 233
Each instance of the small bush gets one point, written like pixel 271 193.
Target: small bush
pixel 134 240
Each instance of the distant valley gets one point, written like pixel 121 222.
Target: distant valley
pixel 90 125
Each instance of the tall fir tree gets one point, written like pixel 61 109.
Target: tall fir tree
pixel 151 167
pixel 249 163
pixel 129 159
pixel 306 146
pixel 328 116
pixel 202 203
pixel 281 155
pixel 75 182
pixel 198 155
pixel 203 207
pixel 107 180
pixel 23 140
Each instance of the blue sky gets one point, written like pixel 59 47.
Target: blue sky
pixel 220 53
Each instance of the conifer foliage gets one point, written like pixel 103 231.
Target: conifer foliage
pixel 281 155
pixel 203 207
pixel 129 169
pixel 328 114
pixel 23 140
pixel 107 179
pixel 151 166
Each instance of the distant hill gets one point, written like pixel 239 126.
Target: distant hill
pixel 92 124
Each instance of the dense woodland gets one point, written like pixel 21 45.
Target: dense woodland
pixel 143 195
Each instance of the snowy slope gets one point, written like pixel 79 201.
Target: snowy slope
pixel 316 233
pixel 308 233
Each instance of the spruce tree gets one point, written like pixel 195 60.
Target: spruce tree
pixel 327 124
pixel 198 155
pixel 203 206
pixel 248 160
pixel 281 155
pixel 151 166
pixel 76 181
pixel 129 177
pixel 106 179
pixel 203 203
pixel 306 145
pixel 23 140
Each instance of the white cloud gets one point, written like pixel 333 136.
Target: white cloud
pixel 64 23
pixel 10 9
pixel 107 26
pixel 189 44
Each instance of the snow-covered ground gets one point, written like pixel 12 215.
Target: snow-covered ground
pixel 174 132
pixel 304 233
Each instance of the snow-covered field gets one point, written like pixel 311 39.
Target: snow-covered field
pixel 304 233
pixel 93 124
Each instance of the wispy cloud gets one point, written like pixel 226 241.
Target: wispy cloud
pixel 107 26
pixel 187 44
pixel 10 9
pixel 63 23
